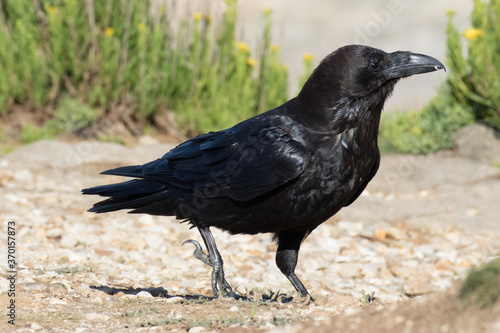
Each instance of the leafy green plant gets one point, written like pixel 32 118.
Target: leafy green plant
pixel 425 131
pixel 8 150
pixel 474 80
pixel 471 91
pixel 482 285
pixel 111 139
pixel 31 132
pixel 114 52
pixel 71 115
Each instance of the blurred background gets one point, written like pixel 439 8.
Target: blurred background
pixel 116 70
pixel 321 26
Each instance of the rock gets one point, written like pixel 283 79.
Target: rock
pixel 34 287
pixel 349 271
pixel 197 329
pixel 6 176
pixel 97 317
pixel 465 263
pixel 57 288
pixel 350 228
pixel 54 233
pixel 36 326
pixel 267 326
pixel 368 231
pixel 23 176
pixel 479 142
pixel 156 242
pixel 175 299
pixel 380 234
pixel 144 294
pixel 57 301
pixel 419 285
pixel 234 309
pixel 68 241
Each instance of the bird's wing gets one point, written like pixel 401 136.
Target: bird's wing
pixel 241 164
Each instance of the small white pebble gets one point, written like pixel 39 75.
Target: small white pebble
pixel 175 299
pixel 97 317
pixel 144 294
pixel 196 329
pixel 234 309
pixel 36 326
pixel 57 301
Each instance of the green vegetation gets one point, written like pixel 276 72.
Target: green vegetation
pixel 470 93
pixel 71 116
pixel 482 286
pixel 78 60
pixel 368 298
pixel 31 133
pixel 475 80
pixel 111 139
pixel 87 56
pixel 425 131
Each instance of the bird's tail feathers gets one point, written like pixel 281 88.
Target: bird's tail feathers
pixel 133 194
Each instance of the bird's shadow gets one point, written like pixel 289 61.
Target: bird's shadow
pixel 161 292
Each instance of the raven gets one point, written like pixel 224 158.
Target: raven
pixel 284 171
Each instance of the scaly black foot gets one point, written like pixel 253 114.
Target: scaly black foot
pixel 214 260
pixel 198 252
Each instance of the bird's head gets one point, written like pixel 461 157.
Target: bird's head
pixel 359 74
pixel 369 69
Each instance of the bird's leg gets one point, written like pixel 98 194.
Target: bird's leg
pixel 214 260
pixel 286 259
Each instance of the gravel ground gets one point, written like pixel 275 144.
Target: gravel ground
pixel 115 268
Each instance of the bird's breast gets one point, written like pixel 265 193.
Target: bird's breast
pixel 332 178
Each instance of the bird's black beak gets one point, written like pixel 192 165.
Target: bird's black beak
pixel 405 64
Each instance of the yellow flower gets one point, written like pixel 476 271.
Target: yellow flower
pixel 472 34
pixel 141 26
pixel 252 62
pixel 267 11
pixel 242 46
pixel 52 9
pixel 197 16
pixel 416 130
pixel 308 57
pixel 450 11
pixel 285 67
pixel 109 31
pixel 274 47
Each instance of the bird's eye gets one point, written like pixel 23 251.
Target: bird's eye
pixel 374 65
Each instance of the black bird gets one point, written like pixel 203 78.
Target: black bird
pixel 285 171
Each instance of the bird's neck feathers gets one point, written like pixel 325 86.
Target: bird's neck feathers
pixel 337 110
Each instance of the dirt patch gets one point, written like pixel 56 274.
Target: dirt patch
pixel 48 307
pixel 99 311
pixel 118 124
pixel 441 312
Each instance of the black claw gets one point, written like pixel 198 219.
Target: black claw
pixel 226 289
pixel 306 299
pixel 220 287
pixel 198 252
